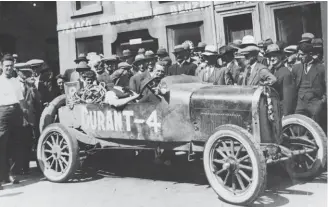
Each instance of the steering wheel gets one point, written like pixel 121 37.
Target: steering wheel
pixel 150 85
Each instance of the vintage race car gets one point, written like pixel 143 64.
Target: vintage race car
pixel 238 130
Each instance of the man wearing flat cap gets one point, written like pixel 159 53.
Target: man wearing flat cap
pixel 310 80
pixel 255 73
pixel 212 74
pixel 110 63
pixel 317 50
pixel 127 56
pixel 122 75
pixel 183 63
pixel 307 37
pixel 284 85
pixel 161 53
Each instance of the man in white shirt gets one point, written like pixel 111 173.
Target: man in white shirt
pixel 11 116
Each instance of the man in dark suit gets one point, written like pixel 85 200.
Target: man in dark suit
pixel 255 73
pixel 212 74
pixel 32 110
pixel 135 81
pixel 232 67
pixel 310 83
pixel 122 75
pixel 284 85
pixel 72 74
pixel 184 63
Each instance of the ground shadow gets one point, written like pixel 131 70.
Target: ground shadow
pixel 35 176
pixel 10 194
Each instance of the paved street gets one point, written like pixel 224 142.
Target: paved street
pixel 140 183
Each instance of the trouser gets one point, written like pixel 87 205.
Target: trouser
pixel 310 108
pixel 23 150
pixel 11 118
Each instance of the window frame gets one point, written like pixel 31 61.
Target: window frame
pixel 170 35
pixel 93 36
pixel 90 10
pixel 230 12
pixel 270 8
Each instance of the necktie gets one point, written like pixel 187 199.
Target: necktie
pixel 248 73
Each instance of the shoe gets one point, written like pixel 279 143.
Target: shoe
pixel 1 188
pixel 13 180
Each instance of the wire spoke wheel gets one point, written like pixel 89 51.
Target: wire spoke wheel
pixel 234 165
pixel 57 153
pixel 302 133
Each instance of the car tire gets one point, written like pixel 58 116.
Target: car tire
pixel 319 157
pixel 49 113
pixel 58 149
pixel 235 135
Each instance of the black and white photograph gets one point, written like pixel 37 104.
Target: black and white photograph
pixel 163 103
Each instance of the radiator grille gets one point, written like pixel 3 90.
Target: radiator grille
pixel 209 121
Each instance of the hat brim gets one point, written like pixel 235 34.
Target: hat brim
pixel 139 61
pixel 150 58
pixel 305 40
pixel 82 69
pixel 24 69
pixel 181 50
pixel 273 52
pixel 210 54
pixel 109 60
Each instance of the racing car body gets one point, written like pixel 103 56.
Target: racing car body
pixel 238 129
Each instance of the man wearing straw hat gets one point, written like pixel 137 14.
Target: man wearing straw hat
pixel 255 73
pixel 212 74
pixel 183 64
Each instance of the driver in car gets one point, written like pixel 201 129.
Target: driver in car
pixel 117 98
pixel 151 93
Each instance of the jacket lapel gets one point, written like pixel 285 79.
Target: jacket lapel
pixel 315 72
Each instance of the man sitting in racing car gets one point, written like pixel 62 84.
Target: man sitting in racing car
pixel 118 98
pixel 149 96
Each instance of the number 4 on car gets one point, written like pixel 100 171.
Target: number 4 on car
pixel 238 131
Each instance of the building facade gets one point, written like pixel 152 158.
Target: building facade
pixel 110 27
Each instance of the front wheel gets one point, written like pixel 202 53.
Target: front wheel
pixel 58 153
pixel 234 165
pixel 303 133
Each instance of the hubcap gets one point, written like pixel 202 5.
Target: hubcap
pixel 231 165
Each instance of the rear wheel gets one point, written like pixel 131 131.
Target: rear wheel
pixel 303 133
pixel 58 153
pixel 234 165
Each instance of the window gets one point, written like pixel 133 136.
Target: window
pixel 236 27
pixel 89 44
pixel 181 33
pixel 292 22
pixel 82 4
pixel 82 8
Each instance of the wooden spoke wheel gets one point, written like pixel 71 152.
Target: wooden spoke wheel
pixel 303 133
pixel 58 153
pixel 234 165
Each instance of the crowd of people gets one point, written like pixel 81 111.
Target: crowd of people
pixel 296 72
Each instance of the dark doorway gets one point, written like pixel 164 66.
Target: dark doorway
pixel 133 41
